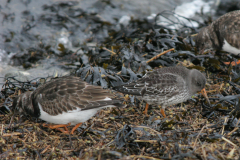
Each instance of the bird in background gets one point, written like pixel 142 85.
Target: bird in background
pixel 221 34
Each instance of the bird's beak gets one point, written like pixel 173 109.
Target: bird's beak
pixel 204 93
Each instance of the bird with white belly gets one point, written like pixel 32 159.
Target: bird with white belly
pixel 222 34
pixel 65 101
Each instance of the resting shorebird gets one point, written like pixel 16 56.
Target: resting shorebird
pixel 166 86
pixel 65 101
pixel 222 34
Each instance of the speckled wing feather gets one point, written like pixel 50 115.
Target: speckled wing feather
pixel 225 27
pixel 229 26
pixel 165 82
pixel 71 93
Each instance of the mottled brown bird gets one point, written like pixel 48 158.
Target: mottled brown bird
pixel 222 34
pixel 166 86
pixel 65 101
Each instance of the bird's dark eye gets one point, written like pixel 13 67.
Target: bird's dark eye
pixel 198 83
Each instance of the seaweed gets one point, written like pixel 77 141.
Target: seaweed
pixel 113 55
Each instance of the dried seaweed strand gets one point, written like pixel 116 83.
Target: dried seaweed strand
pixel 236 128
pixel 225 121
pixel 198 136
pixel 113 53
pixel 45 149
pixel 204 152
pixel 149 141
pixel 146 128
pixel 225 139
pixel 12 134
pixel 157 56
pixel 144 157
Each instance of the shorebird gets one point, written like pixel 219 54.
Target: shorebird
pixel 65 101
pixel 166 86
pixel 222 34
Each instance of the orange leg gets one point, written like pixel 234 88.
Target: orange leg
pixel 204 93
pixel 232 63
pixel 163 112
pixel 75 127
pixel 58 127
pixel 146 109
